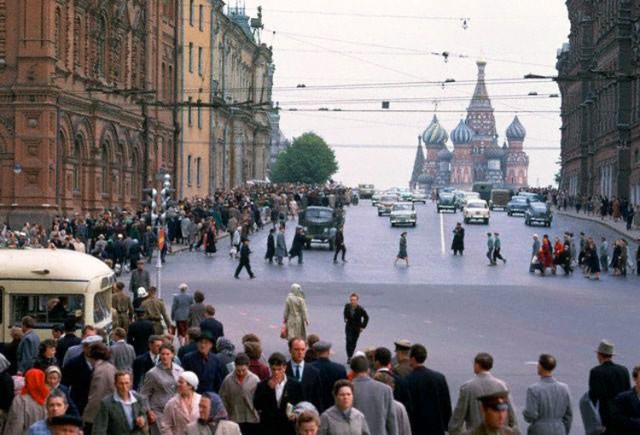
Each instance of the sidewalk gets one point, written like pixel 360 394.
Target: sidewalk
pixel 620 227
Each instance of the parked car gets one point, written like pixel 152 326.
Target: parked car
pixel 403 213
pixel 517 204
pixel 446 201
pixel 320 224
pixel 476 209
pixel 419 195
pixel 538 212
pixel 366 191
pixel 499 199
pixel 386 204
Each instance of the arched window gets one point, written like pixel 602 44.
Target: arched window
pixel 101 50
pixel 77 38
pixel 104 162
pixel 57 40
pixel 77 161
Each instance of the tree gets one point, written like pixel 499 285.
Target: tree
pixel 308 160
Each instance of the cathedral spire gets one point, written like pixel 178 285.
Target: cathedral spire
pixel 418 164
pixel 480 97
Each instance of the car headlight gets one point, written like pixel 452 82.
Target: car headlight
pixel 305 229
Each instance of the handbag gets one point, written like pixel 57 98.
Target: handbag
pixel 283 331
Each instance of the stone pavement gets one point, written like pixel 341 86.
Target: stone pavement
pixel 620 226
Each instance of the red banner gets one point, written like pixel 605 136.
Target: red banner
pixel 161 238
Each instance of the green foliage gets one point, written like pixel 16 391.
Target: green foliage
pixel 308 160
pixel 557 177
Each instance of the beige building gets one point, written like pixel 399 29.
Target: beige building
pixel 224 86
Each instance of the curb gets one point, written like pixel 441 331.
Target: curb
pixel 607 224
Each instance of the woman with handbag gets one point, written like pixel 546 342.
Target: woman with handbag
pixel 296 319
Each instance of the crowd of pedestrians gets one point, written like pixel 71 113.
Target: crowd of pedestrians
pixel 142 378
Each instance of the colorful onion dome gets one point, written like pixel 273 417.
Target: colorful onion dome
pixel 516 131
pixel 435 134
pixel 462 134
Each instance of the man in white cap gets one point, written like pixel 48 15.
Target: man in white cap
pixel 607 380
pixel 180 311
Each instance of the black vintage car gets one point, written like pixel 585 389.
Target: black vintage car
pixel 446 201
pixel 538 212
pixel 320 224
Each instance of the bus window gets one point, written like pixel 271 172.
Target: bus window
pixel 46 309
pixel 101 305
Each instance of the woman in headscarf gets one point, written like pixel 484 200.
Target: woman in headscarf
pixel 6 390
pixel 213 418
pixel 29 406
pixel 295 313
pixel 183 408
pixel 53 376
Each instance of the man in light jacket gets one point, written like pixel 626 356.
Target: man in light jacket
pixel 28 347
pixel 180 312
pixel 373 399
pixel 467 412
pixel 548 408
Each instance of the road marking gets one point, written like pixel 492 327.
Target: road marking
pixel 531 363
pixel 441 232
pixel 428 322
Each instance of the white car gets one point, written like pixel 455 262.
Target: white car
pixel 419 195
pixel 476 209
pixel 403 213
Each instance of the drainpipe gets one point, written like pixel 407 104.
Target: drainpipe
pixel 177 70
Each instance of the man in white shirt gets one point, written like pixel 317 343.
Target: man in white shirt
pixel 123 402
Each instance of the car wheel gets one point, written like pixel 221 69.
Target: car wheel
pixel 414 224
pixel 466 220
pixel 508 213
pixel 392 225
pixel 438 210
pixel 486 221
pixel 379 214
pixel 331 245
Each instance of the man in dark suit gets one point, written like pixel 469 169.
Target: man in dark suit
pixel 212 325
pixel 146 361
pixel 206 365
pixel 274 395
pixel 139 332
pixel 69 339
pixel 356 320
pixel 76 374
pixel 626 407
pixel 431 402
pixel 382 363
pixel 306 374
pixel 606 381
pixel 330 372
pixel 139 278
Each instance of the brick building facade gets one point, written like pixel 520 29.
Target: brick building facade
pixel 598 70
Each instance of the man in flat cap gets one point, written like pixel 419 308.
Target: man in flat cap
pixel 401 365
pixel 607 380
pixel 330 372
pixel 495 409
pixel 65 425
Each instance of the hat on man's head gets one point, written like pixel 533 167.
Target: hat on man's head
pixel 191 379
pixel 402 344
pixel 142 292
pixel 321 346
pixel 495 396
pixel 65 420
pixel 183 285
pixel 606 348
pixel 205 335
pixel 92 339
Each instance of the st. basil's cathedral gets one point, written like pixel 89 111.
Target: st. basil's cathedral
pixel 476 154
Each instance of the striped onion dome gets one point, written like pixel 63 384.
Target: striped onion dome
pixel 462 134
pixel 516 131
pixel 435 134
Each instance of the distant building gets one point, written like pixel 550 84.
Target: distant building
pixel 476 154
pixel 598 78
pixel 278 142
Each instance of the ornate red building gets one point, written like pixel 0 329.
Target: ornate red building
pixel 75 76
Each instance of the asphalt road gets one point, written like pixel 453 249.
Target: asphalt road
pixel 456 306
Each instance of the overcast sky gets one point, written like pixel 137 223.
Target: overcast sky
pixel 371 51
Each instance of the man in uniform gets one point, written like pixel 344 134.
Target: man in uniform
pixel 401 365
pixel 123 306
pixel 139 278
pixel 155 311
pixel 495 409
